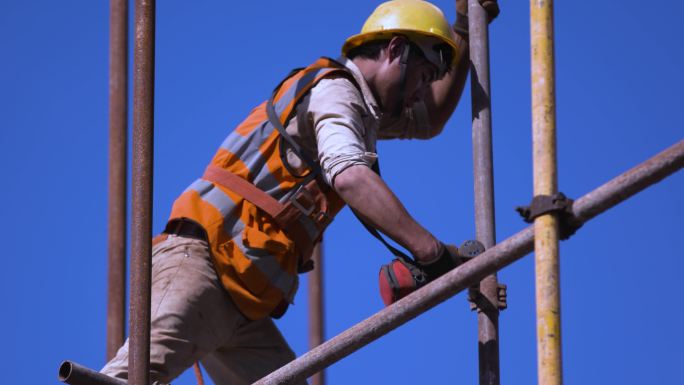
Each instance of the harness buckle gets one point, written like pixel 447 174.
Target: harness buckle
pixel 301 192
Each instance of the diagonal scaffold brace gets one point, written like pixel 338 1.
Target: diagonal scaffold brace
pixel 503 254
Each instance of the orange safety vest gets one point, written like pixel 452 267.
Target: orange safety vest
pixel 261 218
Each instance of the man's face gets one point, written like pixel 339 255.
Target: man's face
pixel 420 74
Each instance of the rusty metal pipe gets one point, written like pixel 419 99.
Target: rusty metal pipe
pixel 493 259
pixel 547 265
pixel 316 314
pixel 118 116
pixel 75 374
pixel 483 172
pixel 629 183
pixel 141 226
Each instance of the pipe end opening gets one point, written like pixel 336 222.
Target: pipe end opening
pixel 64 371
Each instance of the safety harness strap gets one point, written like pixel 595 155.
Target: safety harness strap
pixel 375 233
pixel 245 189
pixel 275 121
pixel 403 60
pixel 281 214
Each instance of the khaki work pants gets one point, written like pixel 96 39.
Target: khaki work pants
pixel 194 319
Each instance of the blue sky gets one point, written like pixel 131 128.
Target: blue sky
pixel 620 76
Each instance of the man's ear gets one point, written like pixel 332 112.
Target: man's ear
pixel 396 47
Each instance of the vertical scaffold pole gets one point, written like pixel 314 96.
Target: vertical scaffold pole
pixel 487 302
pixel 118 116
pixel 545 183
pixel 141 226
pixel 316 316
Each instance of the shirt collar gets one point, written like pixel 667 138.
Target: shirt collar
pixel 365 88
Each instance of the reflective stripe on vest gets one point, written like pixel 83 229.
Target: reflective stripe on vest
pixel 252 152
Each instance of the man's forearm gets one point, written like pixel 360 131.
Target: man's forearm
pixel 366 193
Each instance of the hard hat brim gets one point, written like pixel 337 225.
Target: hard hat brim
pixel 363 38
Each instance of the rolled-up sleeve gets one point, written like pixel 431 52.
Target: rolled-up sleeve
pixel 337 112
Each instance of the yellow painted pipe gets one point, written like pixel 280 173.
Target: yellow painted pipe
pixel 547 274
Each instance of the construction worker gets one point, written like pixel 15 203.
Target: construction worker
pixel 237 237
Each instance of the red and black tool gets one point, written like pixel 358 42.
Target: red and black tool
pixel 404 275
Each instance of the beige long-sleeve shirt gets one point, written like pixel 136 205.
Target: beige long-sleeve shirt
pixel 340 123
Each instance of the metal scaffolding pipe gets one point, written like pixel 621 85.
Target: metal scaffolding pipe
pixel 629 183
pixel 118 116
pixel 75 374
pixel 547 266
pixel 316 315
pixel 455 281
pixel 487 300
pixel 141 226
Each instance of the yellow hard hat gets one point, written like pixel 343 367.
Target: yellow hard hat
pixel 421 22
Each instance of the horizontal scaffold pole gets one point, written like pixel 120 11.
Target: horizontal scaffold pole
pixel 464 276
pixel 75 374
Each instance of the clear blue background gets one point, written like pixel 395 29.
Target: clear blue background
pixel 620 76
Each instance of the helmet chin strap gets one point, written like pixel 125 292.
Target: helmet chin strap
pixel 403 61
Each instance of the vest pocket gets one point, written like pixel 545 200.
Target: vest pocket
pixel 271 260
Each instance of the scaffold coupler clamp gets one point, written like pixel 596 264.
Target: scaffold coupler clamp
pixel 478 302
pixel 471 249
pixel 557 203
